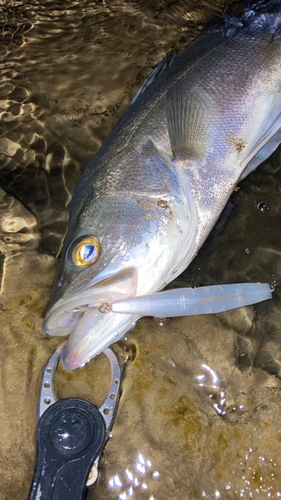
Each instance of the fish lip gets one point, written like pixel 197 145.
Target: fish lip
pixel 44 328
pixel 83 298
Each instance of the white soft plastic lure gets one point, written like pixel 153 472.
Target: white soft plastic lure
pixel 189 301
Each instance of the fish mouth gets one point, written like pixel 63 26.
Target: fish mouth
pixel 87 318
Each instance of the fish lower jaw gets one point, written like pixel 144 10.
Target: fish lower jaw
pixel 93 335
pixel 73 361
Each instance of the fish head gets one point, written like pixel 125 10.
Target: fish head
pixel 94 270
pixel 119 244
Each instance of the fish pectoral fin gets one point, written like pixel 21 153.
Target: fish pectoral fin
pixel 266 135
pixel 188 117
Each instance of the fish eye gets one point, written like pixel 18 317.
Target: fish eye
pixel 85 251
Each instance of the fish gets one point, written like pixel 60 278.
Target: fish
pixel 201 122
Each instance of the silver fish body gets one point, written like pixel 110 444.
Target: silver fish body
pixel 155 189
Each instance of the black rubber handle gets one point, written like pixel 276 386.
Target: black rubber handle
pixel 70 435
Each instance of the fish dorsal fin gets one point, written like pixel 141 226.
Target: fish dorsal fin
pixel 188 119
pixel 159 69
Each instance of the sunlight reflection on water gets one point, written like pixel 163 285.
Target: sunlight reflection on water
pixel 143 467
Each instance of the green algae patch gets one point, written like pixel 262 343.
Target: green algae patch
pixel 183 419
pixel 166 387
pixel 140 381
pixel 242 457
pixel 227 444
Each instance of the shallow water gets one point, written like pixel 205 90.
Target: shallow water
pixel 199 414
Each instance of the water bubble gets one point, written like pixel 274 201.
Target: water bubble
pixel 263 206
pixel 59 284
pixel 162 321
pixel 248 250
